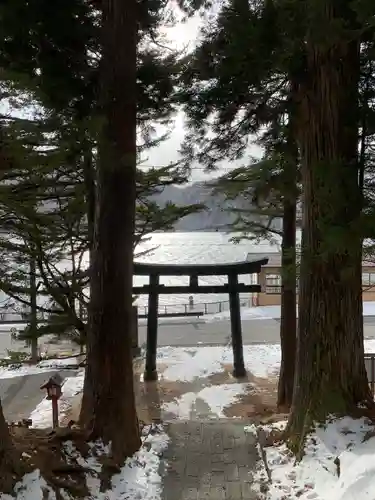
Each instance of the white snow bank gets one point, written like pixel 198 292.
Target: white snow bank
pixel 271 312
pixel 10 328
pixel 68 362
pixel 21 370
pixel 217 397
pixel 184 364
pixel 42 415
pixel 31 488
pixel 139 478
pixel 337 465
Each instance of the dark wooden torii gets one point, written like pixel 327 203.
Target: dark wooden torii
pixel 233 288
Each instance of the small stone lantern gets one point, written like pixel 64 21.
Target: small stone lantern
pixel 54 391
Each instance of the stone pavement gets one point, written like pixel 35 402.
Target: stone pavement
pixel 209 461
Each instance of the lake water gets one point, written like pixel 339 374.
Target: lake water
pixel 196 248
pixel 187 248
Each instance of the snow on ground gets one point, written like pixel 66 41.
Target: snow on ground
pixel 187 363
pixel 139 478
pixel 66 362
pixel 30 488
pixel 338 465
pixel 21 369
pixel 42 415
pixel 9 328
pixel 217 397
pixel 190 365
pixel 271 312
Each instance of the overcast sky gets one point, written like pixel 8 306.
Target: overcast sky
pixel 180 36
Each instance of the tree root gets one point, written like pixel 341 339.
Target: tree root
pixel 295 438
pixel 69 434
pixel 60 483
pixel 262 439
pixel 71 469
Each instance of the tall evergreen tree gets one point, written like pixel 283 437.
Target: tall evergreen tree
pixel 331 376
pixel 109 361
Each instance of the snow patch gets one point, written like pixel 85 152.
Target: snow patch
pixel 217 397
pixel 183 406
pixel 32 487
pixel 139 478
pixel 68 362
pixel 337 465
pixel 184 364
pixel 18 370
pixel 187 363
pixel 21 370
pixel 271 312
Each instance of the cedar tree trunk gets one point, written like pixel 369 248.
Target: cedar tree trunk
pixel 108 406
pixel 9 468
pixel 33 318
pixel 330 371
pixel 288 305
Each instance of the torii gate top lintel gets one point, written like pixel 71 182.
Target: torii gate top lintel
pixel 244 267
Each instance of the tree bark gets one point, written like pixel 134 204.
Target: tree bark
pixel 89 175
pixel 330 371
pixel 288 324
pixel 33 320
pixel 9 472
pixel 89 180
pixel 108 406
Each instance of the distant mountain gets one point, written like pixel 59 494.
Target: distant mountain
pixel 214 218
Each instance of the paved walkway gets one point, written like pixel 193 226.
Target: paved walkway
pixel 209 461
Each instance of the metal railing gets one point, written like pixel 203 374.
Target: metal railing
pixel 275 289
pixel 203 307
pixel 11 316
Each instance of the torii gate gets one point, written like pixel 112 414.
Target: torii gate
pixel 233 288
